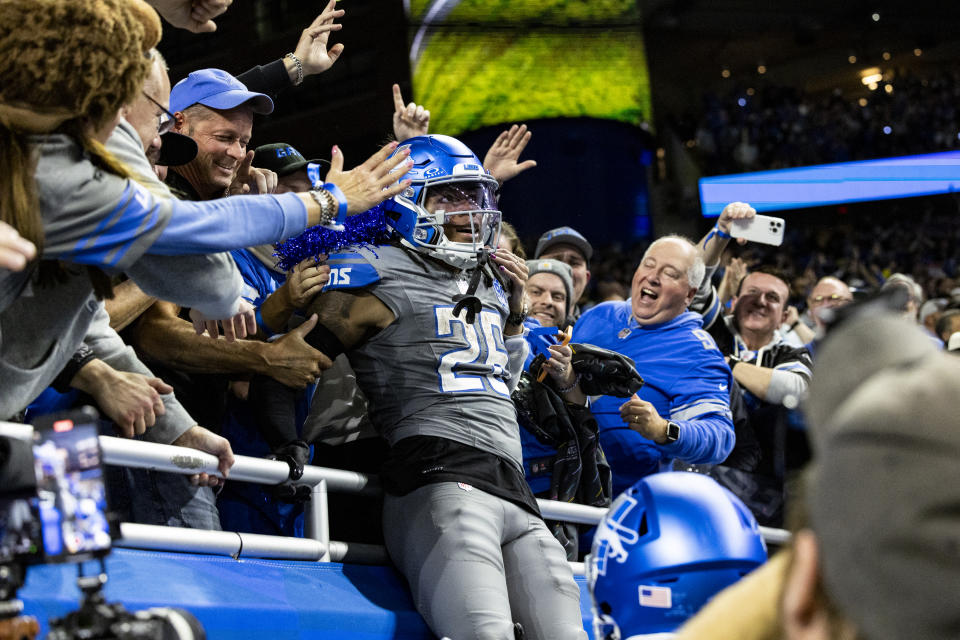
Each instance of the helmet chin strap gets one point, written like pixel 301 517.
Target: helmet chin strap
pixel 469 300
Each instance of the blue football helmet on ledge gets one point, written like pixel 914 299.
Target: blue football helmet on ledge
pixel 663 549
pixel 448 178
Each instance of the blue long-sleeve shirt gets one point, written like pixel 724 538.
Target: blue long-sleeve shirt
pixel 686 380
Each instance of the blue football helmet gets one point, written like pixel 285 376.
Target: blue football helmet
pixel 664 548
pixel 449 186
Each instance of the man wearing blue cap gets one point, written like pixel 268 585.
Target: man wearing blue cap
pixel 216 110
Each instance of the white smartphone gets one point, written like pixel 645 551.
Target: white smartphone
pixel 762 229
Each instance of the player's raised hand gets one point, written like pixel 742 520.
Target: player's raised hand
pixel 408 121
pixel 372 182
pixel 501 159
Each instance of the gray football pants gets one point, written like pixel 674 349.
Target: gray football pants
pixel 476 564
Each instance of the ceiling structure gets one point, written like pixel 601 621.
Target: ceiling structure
pixel 806 43
pixel 689 43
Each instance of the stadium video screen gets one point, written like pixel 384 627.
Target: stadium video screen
pixel 829 184
pixel 477 63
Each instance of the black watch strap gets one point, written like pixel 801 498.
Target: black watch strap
pixel 81 357
pixel 516 318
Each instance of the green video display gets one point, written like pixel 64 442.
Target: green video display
pixel 480 62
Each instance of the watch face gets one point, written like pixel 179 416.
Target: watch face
pixel 673 432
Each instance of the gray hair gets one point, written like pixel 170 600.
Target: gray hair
pixel 155 55
pixel 697 269
pixel 903 280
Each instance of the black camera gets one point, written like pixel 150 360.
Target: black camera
pixel 54 508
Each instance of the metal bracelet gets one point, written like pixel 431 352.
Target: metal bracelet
pixel 296 61
pixel 327 203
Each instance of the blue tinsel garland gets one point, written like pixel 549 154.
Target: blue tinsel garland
pixel 369 227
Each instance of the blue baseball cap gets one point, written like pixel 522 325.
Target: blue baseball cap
pixel 216 89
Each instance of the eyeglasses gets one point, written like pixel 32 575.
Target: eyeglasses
pixel 833 297
pixel 165 120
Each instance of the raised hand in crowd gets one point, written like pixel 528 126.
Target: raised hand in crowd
pixel 130 400
pixel 408 121
pixel 241 325
pixel 15 251
pixel 501 158
pixel 372 182
pixel 196 437
pixel 312 51
pixel 735 211
pixel 713 243
pixel 293 362
pixel 193 15
pixel 735 272
pixel 250 179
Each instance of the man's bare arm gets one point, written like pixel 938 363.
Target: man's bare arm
pixel 166 338
pixel 128 302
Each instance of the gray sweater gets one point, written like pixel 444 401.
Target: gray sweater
pixel 96 218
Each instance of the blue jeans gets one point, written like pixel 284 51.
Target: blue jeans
pixel 155 497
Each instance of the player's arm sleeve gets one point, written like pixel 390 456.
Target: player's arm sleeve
pixel 107 346
pixel 701 407
pixel 790 378
pixel 209 283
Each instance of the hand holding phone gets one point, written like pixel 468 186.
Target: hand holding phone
pixel 762 229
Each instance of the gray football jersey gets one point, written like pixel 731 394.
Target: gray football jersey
pixel 430 373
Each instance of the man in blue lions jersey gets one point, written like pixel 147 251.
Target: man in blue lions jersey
pixel 683 410
pixel 432 325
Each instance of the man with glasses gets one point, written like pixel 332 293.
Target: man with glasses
pixel 828 293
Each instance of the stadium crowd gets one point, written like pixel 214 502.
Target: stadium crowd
pixel 772 127
pixel 129 206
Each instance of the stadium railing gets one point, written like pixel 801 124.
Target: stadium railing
pixel 316 545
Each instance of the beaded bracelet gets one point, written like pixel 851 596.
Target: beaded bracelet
pixel 340 198
pixel 572 386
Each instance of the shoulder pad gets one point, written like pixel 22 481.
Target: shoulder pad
pixel 350 271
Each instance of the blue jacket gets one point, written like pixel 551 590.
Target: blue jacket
pixel 686 380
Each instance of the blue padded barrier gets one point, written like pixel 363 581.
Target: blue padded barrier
pixel 249 598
